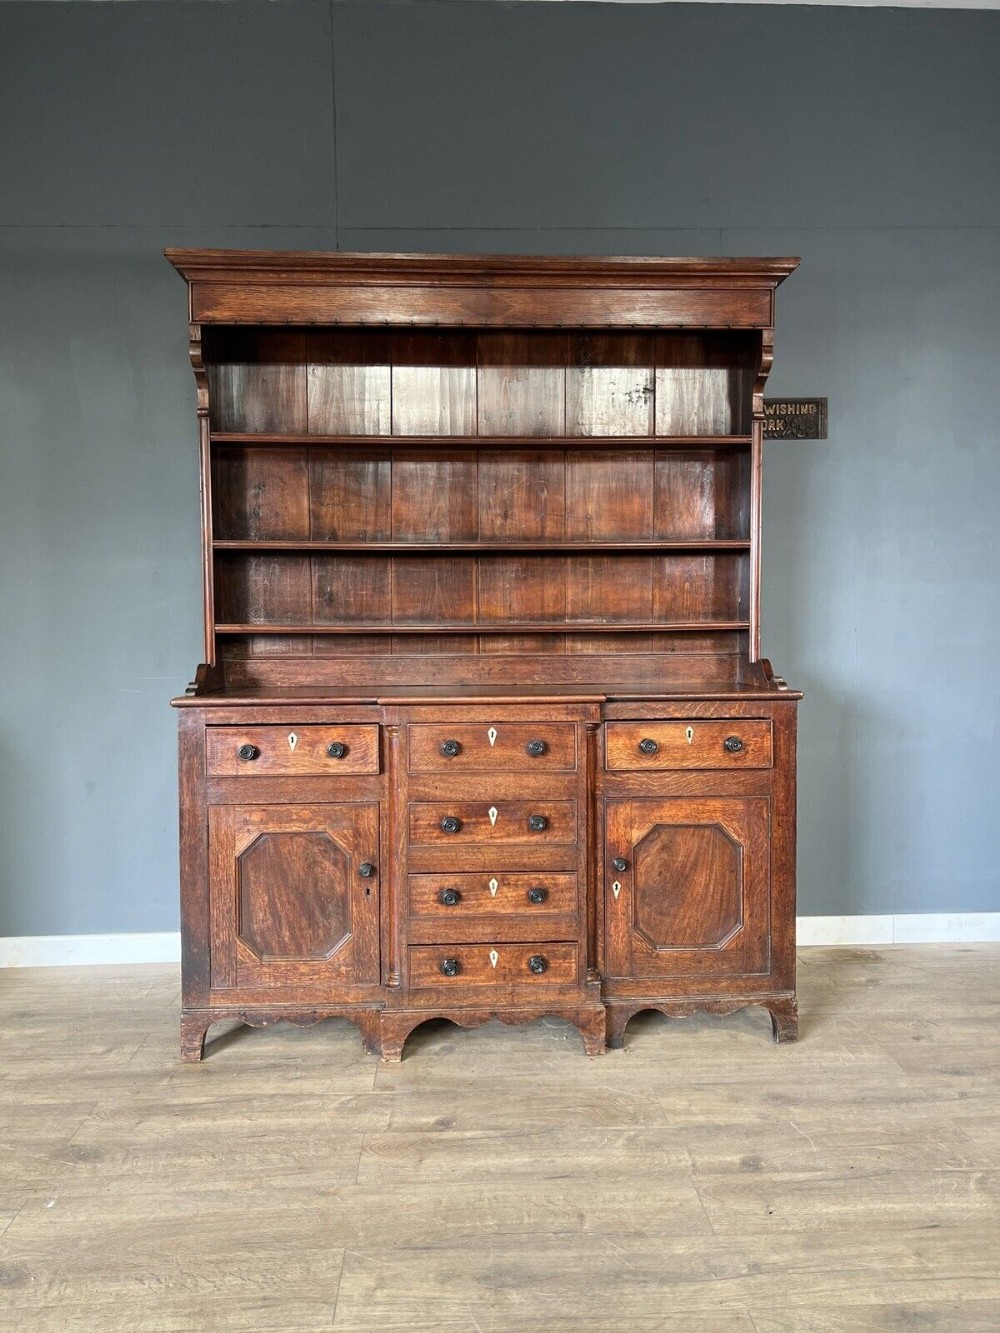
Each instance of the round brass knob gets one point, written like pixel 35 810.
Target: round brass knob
pixel 450 897
pixel 537 823
pixel 336 749
pixel 450 824
pixel 537 895
pixel 648 745
pixel 450 749
pixel 248 752
pixel 535 748
pixel 451 967
pixel 733 744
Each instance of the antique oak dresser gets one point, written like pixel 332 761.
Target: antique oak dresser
pixel 483 729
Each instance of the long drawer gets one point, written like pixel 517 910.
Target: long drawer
pixel 698 743
pixel 492 906
pixel 291 751
pixel 506 747
pixel 463 965
pixel 445 898
pixel 458 823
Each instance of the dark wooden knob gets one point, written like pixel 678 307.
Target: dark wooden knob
pixel 451 967
pixel 535 748
pixel 336 749
pixel 248 752
pixel 537 895
pixel 537 964
pixel 537 822
pixel 450 897
pixel 450 824
pixel 648 745
pixel 619 864
pixel 450 748
pixel 733 744
pixel 366 870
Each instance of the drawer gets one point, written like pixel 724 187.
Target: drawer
pixel 447 899
pixel 506 747
pixel 456 823
pixel 292 751
pixel 431 965
pixel 698 743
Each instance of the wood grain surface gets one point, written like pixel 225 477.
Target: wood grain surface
pixel 700 1181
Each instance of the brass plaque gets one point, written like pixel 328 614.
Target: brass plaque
pixel 794 418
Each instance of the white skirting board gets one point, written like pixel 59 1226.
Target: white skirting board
pixel 165 946
pixel 77 950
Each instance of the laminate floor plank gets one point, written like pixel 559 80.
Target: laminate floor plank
pixel 942 1316
pixel 492 1321
pixel 702 1180
pixel 906 1198
pixel 607 1278
pixel 847 1154
pixel 525 1153
pixel 161 1312
pixel 505 1109
pixel 326 1212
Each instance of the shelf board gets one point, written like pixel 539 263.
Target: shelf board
pixel 608 442
pixel 528 627
pixel 528 546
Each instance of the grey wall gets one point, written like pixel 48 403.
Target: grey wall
pixel 865 140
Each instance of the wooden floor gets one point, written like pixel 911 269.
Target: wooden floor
pixel 702 1179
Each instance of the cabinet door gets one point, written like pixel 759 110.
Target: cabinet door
pixel 693 899
pixel 294 895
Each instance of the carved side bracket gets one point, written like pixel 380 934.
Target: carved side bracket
pixel 778 682
pixel 766 362
pixel 198 366
pixel 208 679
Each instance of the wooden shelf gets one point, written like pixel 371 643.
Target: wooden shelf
pixel 527 546
pixel 504 628
pixel 279 440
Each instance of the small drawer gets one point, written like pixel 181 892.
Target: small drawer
pixel 503 747
pixel 458 823
pixel 292 751
pixel 463 965
pixel 452 898
pixel 698 743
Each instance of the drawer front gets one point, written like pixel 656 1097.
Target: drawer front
pixel 447 899
pixel 699 743
pixel 505 747
pixel 457 823
pixel 463 965
pixel 291 751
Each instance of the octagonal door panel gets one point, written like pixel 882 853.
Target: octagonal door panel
pixel 290 905
pixel 694 899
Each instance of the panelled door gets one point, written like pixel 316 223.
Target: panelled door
pixel 688 887
pixel 294 895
